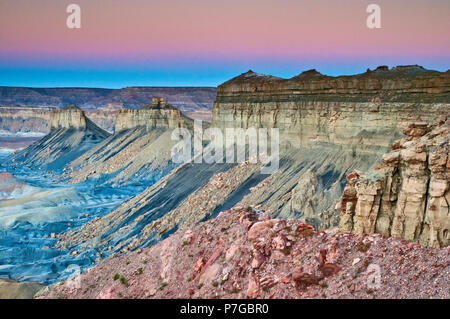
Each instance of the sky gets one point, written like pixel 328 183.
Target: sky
pixel 206 42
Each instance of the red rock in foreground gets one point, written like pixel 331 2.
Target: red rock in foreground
pixel 245 254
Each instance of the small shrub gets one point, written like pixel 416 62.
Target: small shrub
pixel 123 281
pixel 163 285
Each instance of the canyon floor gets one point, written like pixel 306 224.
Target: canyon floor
pixel 34 209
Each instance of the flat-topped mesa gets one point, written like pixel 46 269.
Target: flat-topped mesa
pixel 159 114
pixel 398 81
pixel 408 195
pixel 370 109
pixel 69 117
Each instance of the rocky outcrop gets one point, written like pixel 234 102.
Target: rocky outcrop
pixel 187 99
pixel 70 117
pixel 71 134
pixel 243 253
pixel 159 114
pixel 366 109
pixel 408 195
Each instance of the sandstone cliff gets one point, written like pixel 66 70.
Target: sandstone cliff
pixel 159 114
pixel 365 109
pixel 70 117
pixel 408 195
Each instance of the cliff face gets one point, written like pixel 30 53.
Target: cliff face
pixel 70 117
pixel 408 195
pixel 366 109
pixel 159 114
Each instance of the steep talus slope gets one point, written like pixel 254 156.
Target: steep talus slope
pixel 71 134
pixel 243 253
pixel 303 187
pixel 323 138
pixel 408 195
pixel 140 148
pixel 135 222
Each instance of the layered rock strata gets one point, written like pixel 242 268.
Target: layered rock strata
pixel 407 196
pixel 365 109
pixel 159 114
pixel 70 117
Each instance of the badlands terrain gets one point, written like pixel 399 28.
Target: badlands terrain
pixel 363 180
